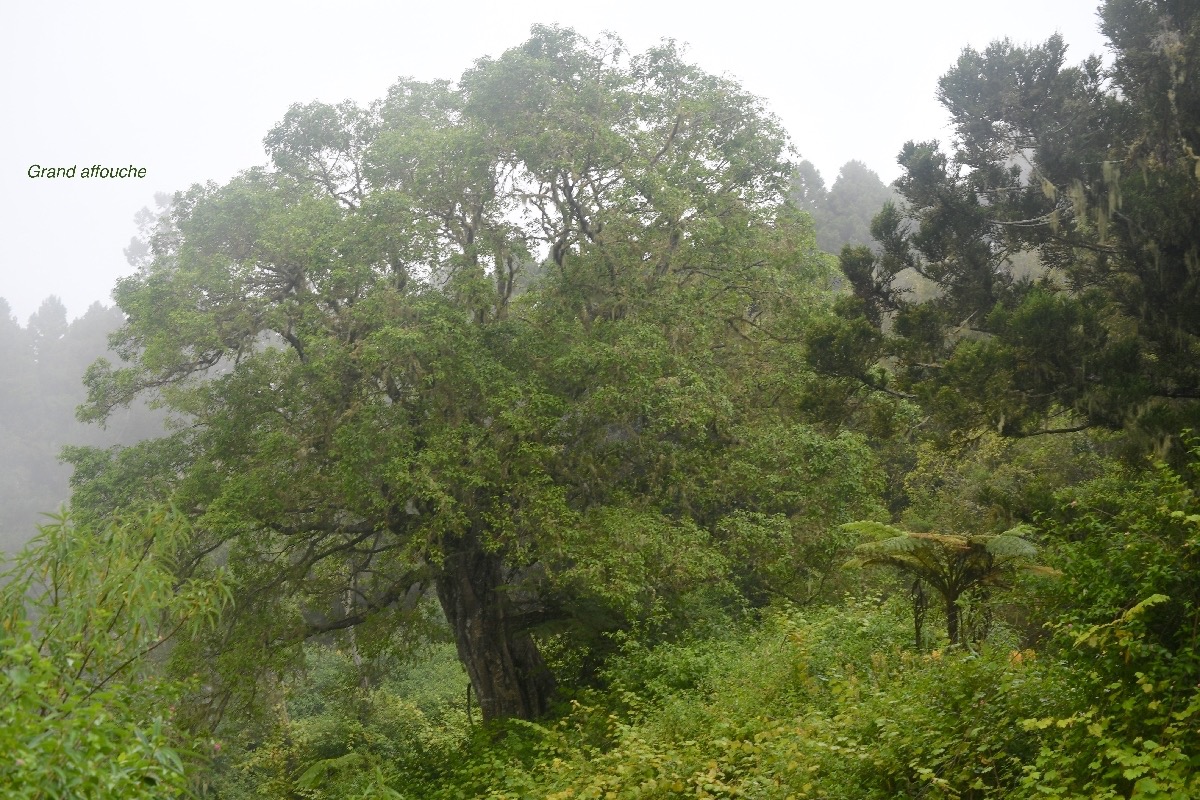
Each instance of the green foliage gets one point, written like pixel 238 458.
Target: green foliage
pixel 1127 536
pixel 1141 740
pixel 526 340
pixel 821 703
pixel 336 739
pixel 86 705
pixel 1127 609
pixel 640 565
pixel 61 737
pixel 816 702
pixel 992 483
pixel 102 599
pixel 1089 171
pixel 830 703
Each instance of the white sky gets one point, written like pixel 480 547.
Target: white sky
pixel 188 91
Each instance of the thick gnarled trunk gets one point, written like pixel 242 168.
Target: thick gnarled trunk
pixel 506 670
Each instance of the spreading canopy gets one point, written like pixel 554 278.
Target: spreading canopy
pixel 472 335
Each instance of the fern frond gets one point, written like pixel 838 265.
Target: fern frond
pixel 1008 546
pixel 945 539
pixel 895 545
pixel 873 531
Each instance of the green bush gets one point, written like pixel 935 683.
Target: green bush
pixel 62 738
pixel 335 740
pixel 85 710
pixel 1128 623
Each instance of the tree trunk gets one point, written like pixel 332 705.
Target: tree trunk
pixel 953 617
pixel 504 665
pixel 920 606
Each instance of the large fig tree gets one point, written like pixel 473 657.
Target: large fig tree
pixel 471 338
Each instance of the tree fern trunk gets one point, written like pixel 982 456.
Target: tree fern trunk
pixel 953 619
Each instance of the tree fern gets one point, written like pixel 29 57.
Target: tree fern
pixel 952 564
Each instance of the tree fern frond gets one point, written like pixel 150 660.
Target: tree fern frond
pixel 1008 546
pixel 892 546
pixel 945 539
pixel 873 531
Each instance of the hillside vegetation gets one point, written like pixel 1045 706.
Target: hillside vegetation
pixel 528 442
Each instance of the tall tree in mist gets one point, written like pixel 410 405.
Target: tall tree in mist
pixel 842 213
pixel 384 398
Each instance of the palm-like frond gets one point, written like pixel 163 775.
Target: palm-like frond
pixel 895 545
pixel 1010 547
pixel 953 564
pixel 873 531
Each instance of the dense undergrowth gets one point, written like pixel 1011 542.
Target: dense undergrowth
pixel 1084 687
pixel 1096 698
pixel 1085 684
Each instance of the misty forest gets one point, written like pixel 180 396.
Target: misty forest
pixel 555 432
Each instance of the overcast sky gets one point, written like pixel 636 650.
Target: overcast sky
pixel 189 90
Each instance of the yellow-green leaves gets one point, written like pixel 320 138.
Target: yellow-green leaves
pixel 82 711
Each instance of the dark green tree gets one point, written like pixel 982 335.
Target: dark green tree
pixel 1095 172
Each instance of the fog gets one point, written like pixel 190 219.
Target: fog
pixel 109 104
pixel 188 92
